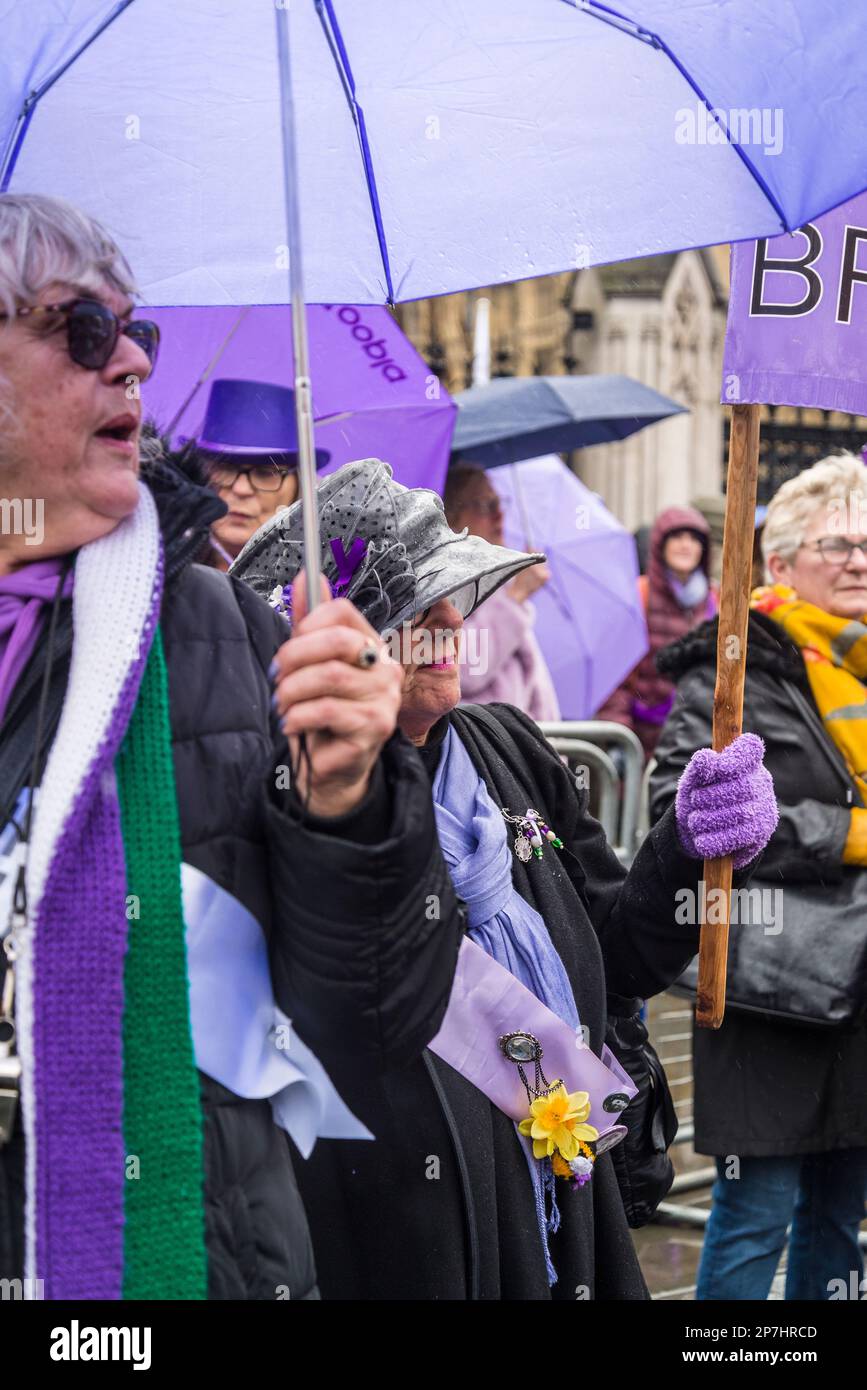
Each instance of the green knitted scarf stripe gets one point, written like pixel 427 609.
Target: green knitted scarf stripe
pixel 164 1245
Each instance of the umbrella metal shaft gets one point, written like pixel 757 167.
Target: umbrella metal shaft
pixel 303 393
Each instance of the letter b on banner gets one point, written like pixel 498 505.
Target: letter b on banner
pixel 801 265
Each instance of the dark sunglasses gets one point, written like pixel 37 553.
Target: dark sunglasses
pixel 92 330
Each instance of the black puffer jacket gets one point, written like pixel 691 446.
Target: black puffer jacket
pixel 765 1086
pixel 357 964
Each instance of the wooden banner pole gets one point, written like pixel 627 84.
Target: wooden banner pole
pixel 728 700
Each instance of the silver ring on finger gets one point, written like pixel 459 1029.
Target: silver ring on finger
pixel 368 655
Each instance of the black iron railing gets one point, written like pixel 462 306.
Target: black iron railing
pixel 787 447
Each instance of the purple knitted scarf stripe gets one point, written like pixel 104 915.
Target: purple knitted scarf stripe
pixel 79 951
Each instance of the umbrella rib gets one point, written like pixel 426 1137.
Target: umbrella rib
pixel 211 367
pixel 607 15
pixel 25 115
pixel 334 37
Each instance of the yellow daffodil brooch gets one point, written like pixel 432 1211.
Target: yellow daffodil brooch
pixel 557 1125
pixel 557 1122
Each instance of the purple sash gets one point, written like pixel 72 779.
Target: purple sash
pixel 486 1003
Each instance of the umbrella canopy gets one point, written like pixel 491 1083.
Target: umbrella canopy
pixel 373 395
pixel 514 418
pixel 589 620
pixel 441 145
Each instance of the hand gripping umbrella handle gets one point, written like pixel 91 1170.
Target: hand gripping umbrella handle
pixel 728 700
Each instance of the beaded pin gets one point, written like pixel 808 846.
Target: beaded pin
pixel 531 834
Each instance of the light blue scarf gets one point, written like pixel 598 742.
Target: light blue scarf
pixel 690 592
pixel 474 842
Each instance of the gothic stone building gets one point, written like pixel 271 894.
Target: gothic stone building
pixel 660 319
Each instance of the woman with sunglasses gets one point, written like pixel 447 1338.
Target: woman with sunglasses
pixel 781 1087
pixel 197 817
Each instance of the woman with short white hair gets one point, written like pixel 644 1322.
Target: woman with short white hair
pixel 781 1088
pixel 174 878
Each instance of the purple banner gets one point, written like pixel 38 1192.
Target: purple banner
pixel 797 324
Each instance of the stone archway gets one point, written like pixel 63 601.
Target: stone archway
pixel 660 320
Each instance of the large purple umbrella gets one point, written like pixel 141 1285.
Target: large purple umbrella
pixel 589 620
pixel 373 395
pixel 440 145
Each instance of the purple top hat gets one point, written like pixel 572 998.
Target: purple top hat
pixel 252 417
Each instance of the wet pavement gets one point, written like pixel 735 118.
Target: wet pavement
pixel 669 1249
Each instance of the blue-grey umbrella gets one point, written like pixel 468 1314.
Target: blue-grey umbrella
pixel 521 417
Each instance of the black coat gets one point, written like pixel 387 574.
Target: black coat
pixel 356 963
pixel 441 1207
pixel 765 1086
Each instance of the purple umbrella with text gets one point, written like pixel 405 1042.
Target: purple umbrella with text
pixel 373 395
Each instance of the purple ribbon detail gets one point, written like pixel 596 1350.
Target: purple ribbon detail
pixel 347 562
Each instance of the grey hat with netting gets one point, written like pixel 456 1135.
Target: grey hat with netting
pixel 386 547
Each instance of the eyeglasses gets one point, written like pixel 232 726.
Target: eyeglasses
pixel 484 506
pixel 262 477
pixel 838 550
pixel 92 330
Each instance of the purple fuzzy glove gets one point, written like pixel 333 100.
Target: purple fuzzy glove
pixel 725 803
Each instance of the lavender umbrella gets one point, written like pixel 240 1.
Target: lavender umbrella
pixel 373 395
pixel 440 145
pixel 589 620
pixel 425 147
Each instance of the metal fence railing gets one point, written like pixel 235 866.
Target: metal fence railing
pixel 615 789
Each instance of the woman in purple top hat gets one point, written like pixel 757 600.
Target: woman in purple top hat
pixel 249 450
pixel 202 825
pixel 491 1176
